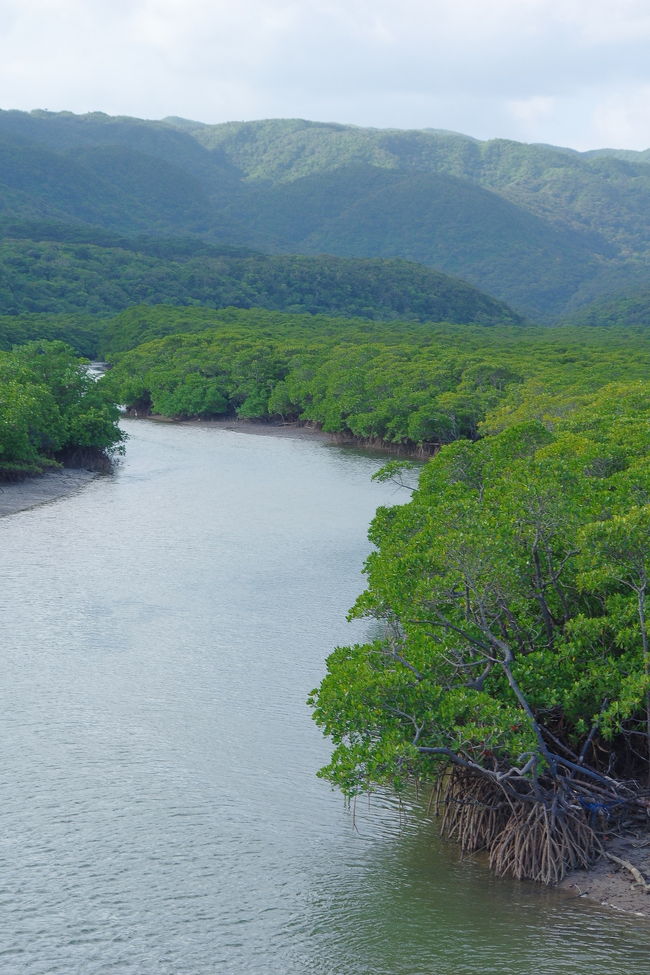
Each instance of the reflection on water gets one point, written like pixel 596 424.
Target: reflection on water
pixel 160 812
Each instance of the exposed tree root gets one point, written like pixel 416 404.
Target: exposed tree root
pixel 474 816
pixel 531 839
pixel 541 844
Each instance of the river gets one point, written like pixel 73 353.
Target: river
pixel 160 811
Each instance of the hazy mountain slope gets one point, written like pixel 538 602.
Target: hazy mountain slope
pixel 598 191
pixel 544 228
pixel 113 186
pixel 629 310
pixel 439 220
pixel 64 132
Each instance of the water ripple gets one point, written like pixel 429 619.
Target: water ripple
pixel 160 812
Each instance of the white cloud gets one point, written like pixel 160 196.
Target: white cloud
pixel 622 118
pixel 531 113
pixel 540 70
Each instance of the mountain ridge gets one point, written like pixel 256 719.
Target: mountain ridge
pixel 545 229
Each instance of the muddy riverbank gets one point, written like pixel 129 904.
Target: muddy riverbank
pixel 19 495
pixel 612 884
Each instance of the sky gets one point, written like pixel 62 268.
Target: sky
pixel 567 72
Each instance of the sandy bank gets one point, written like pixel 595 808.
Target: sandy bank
pixel 612 885
pixel 297 431
pixel 19 495
pixel 294 430
pixel 266 429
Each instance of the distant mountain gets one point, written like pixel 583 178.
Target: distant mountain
pixel 631 310
pixel 546 229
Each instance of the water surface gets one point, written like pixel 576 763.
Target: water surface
pixel 160 812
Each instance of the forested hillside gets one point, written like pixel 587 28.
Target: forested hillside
pixel 544 229
pixel 99 274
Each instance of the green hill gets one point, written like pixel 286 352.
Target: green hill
pixel 628 310
pixel 73 277
pixel 543 228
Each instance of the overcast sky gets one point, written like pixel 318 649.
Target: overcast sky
pixel 567 72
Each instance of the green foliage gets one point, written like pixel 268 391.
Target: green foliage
pixel 49 408
pixel 512 595
pixel 103 277
pixel 82 332
pixel 629 309
pixel 415 385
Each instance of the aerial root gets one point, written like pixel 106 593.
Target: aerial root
pixel 536 844
pixel 527 840
pixel 472 817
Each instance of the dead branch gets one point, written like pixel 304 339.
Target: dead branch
pixel 638 876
